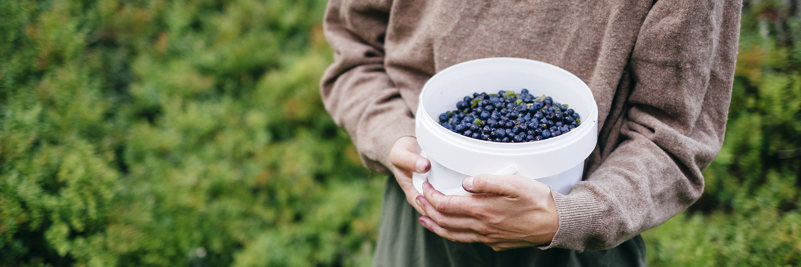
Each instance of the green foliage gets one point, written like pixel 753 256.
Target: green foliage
pixel 191 133
pixel 174 133
pixel 749 213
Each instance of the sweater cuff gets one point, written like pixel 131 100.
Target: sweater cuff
pixel 384 135
pixel 579 216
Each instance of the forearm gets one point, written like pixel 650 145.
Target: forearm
pixel 671 127
pixel 355 89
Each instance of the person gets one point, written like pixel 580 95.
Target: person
pixel 661 73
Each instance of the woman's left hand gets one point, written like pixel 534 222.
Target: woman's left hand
pixel 504 212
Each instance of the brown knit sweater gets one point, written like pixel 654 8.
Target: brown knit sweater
pixel 661 73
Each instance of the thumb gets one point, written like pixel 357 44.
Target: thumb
pixel 507 185
pixel 404 155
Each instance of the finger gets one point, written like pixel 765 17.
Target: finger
pixel 405 155
pixel 506 185
pixel 455 205
pixel 506 245
pixel 411 195
pixel 405 183
pixel 456 236
pixel 451 222
pixel 417 207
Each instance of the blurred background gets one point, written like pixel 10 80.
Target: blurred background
pixel 190 133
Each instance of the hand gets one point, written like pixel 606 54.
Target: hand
pixel 505 211
pixel 405 158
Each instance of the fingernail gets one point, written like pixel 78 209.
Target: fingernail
pixel 417 199
pixel 467 183
pixel 422 220
pixel 420 165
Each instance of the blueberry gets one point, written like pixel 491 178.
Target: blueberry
pixel 497 104
pixel 500 133
pixel 509 117
pixel 548 100
pixel 447 126
pixel 528 98
pixel 484 115
pixel 461 105
pixel 443 117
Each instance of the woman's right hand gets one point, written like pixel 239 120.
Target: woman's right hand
pixel 406 159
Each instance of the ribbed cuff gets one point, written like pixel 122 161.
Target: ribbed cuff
pixel 579 216
pixel 383 137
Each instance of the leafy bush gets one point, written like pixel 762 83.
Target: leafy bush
pixel 191 133
pixel 749 213
pixel 174 133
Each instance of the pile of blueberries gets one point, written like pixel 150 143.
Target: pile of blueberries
pixel 509 117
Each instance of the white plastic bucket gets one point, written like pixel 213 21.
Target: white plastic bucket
pixel 557 162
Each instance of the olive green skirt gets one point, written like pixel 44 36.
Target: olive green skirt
pixel 404 242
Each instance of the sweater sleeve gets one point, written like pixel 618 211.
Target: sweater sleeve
pixel 681 74
pixel 355 89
